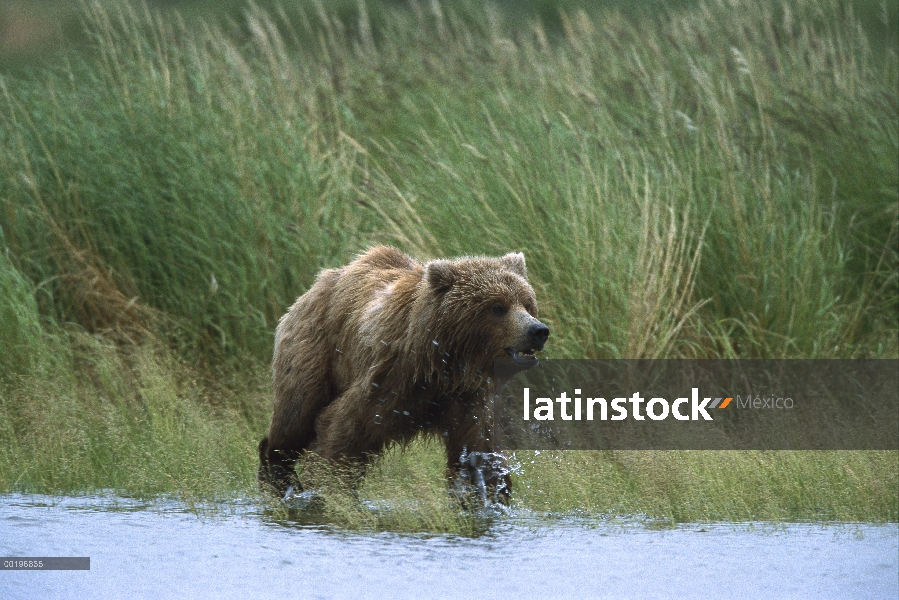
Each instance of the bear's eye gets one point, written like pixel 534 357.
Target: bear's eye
pixel 498 310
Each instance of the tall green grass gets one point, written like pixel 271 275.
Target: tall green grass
pixel 718 180
pixel 20 327
pixel 690 486
pixel 134 423
pixel 697 186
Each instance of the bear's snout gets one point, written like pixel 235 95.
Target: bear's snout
pixel 538 333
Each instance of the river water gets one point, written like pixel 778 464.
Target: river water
pixel 162 550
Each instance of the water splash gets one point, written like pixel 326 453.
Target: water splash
pixel 307 499
pixel 485 475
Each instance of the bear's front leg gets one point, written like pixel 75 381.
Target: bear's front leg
pixel 475 466
pixel 484 475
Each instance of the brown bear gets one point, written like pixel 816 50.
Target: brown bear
pixel 384 349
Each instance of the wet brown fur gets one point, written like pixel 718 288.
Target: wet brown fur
pixel 386 348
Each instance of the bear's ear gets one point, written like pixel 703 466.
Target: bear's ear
pixel 514 261
pixel 440 275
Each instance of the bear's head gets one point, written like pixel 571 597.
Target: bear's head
pixel 483 310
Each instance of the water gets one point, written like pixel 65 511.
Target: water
pixel 141 550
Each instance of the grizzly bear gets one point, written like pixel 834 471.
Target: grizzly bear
pixel 384 349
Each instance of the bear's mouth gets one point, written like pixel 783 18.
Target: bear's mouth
pixel 525 358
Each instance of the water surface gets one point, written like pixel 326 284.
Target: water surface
pixel 162 550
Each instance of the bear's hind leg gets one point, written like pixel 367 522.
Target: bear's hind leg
pixel 350 433
pixel 302 391
pixel 276 469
